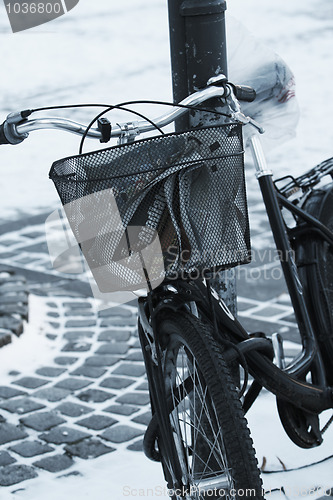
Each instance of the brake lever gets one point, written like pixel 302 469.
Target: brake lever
pixel 237 114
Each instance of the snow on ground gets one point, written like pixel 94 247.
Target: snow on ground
pixel 109 52
pixel 126 474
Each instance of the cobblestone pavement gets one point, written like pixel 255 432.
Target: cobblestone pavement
pixel 92 399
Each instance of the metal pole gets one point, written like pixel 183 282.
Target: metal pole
pixel 198 52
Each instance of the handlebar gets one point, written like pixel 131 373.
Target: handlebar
pixel 17 127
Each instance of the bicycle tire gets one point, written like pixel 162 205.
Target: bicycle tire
pixel 212 439
pixel 315 259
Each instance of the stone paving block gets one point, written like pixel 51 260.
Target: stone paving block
pixel 10 392
pixel 52 394
pixel 8 255
pixel 269 311
pixel 10 309
pixel 29 449
pixel 73 410
pixel 134 398
pixel 113 348
pixel 13 324
pixel 89 371
pixel 136 446
pixel 52 304
pixel 8 243
pixel 6 458
pixel 122 409
pixel 72 384
pixel 51 336
pixel 78 305
pixel 143 419
pixel 290 318
pixel 77 323
pixel 95 396
pixel 89 448
pixel 121 433
pixel 65 360
pixel 63 434
pixel 97 422
pixel 117 382
pixel 40 247
pixel 257 325
pixel 79 312
pixel 31 382
pixel 54 324
pixel 115 311
pixel 136 344
pixel 33 234
pixel 13 474
pixel 76 346
pixel 11 299
pixel 9 432
pixel 131 369
pixel 78 335
pixel 75 473
pixel 42 421
pixel 15 278
pixel 134 356
pixel 12 287
pixel 244 306
pixel 5 337
pixel 114 336
pixel 21 405
pixel 131 321
pixel 56 463
pixel 143 386
pixel 102 360
pixel 50 371
pixel 26 260
pixel 53 314
pixel 261 289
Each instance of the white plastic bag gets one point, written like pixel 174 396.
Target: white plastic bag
pixel 252 63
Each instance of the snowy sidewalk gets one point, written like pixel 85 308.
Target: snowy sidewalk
pixel 73 394
pixel 88 397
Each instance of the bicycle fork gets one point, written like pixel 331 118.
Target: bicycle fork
pixel 153 362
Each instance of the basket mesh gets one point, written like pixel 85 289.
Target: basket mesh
pixel 186 188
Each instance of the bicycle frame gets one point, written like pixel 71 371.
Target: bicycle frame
pixel 287 384
pixel 303 395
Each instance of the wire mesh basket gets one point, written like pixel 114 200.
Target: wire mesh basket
pixel 158 208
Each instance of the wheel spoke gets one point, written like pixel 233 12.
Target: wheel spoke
pixel 193 415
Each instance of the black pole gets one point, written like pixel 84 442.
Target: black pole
pixel 198 52
pixel 197 43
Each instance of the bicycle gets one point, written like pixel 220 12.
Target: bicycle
pixel 190 341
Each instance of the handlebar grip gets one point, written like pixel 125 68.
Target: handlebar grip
pixel 245 93
pixel 3 138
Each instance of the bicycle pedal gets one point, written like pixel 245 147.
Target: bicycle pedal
pixel 277 342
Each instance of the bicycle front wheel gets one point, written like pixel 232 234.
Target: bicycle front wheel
pixel 209 429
